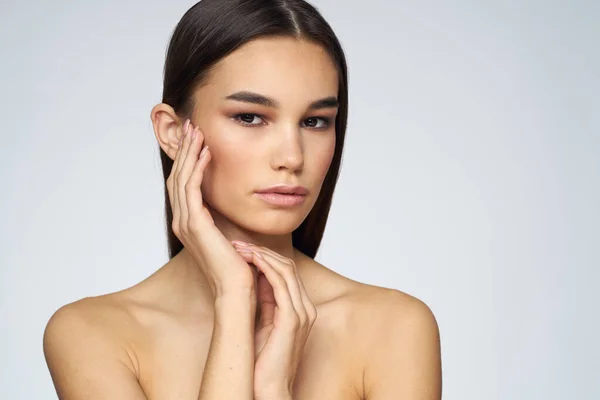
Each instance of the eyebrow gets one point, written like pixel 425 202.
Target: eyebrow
pixel 255 98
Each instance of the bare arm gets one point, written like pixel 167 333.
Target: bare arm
pixel 229 369
pixel 86 362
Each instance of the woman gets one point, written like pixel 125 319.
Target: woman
pixel 251 130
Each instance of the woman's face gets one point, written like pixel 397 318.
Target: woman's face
pixel 268 114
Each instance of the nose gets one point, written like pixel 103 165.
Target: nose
pixel 289 152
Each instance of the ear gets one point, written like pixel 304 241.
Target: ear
pixel 168 128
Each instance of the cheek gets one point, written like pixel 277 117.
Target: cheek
pixel 323 151
pixel 230 144
pixel 230 158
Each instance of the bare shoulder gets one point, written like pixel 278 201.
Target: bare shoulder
pixel 381 305
pixel 371 305
pixel 392 319
pixel 395 339
pixel 101 318
pixel 401 344
pixel 379 310
pixel 85 346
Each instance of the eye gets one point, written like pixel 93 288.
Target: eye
pixel 249 119
pixel 317 122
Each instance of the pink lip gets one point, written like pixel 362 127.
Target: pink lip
pixel 284 200
pixel 285 189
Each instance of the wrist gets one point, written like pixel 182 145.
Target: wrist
pixel 237 293
pixel 239 300
pixel 236 288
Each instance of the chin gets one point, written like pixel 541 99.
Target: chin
pixel 260 218
pixel 273 223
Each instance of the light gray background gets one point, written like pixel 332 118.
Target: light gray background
pixel 470 177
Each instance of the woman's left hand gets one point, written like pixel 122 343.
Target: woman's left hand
pixel 286 318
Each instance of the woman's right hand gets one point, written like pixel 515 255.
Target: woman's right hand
pixel 226 271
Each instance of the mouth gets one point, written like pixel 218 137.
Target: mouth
pixel 283 195
pixel 281 199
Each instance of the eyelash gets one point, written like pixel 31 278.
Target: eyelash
pixel 326 121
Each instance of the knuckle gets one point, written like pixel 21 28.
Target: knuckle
pixel 288 269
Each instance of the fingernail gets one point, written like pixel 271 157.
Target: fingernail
pixel 239 243
pixel 185 125
pixel 204 150
pixel 245 252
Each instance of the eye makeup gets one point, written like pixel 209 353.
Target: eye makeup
pixel 249 120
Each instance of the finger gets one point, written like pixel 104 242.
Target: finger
pixel 287 270
pixel 172 180
pixel 195 145
pixel 286 262
pixel 309 306
pixel 187 127
pixel 304 299
pixel 246 255
pixel 185 167
pixel 251 246
pixel 194 189
pixel 177 185
pixel 280 290
pixel 311 309
pixel 291 284
pixel 264 294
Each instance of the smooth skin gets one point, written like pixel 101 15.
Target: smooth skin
pixel 239 313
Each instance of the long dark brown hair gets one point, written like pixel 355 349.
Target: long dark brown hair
pixel 211 30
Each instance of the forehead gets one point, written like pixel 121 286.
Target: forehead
pixel 278 67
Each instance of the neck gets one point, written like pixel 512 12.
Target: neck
pixel 192 276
